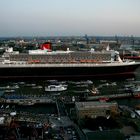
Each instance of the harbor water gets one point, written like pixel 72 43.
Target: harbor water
pixel 22 90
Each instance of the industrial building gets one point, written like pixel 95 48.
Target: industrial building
pixel 95 109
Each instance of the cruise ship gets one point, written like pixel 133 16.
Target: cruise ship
pixel 46 64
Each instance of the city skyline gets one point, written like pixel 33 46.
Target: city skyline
pixel 69 17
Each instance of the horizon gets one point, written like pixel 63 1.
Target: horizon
pixel 69 18
pixel 55 36
pixel 82 35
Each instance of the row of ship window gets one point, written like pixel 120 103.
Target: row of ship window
pixel 59 58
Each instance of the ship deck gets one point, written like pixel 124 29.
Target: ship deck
pixel 71 64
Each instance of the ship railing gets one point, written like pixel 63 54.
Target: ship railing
pixel 14 62
pixel 66 64
pixel 128 61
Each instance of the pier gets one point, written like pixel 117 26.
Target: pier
pixel 28 101
pixel 113 96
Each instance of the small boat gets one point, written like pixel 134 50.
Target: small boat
pixel 25 103
pixel 7 107
pixel 52 81
pixel 137 95
pixel 81 91
pixel 9 91
pixel 2 106
pixel 83 85
pixel 56 88
pixel 21 83
pixel 30 85
pixel 9 87
pixel 87 82
pixel 136 92
pixel 94 91
pixel 137 107
pixel 104 99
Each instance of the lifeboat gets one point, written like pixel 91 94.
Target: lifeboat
pixel 34 61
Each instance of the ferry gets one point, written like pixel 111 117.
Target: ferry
pixel 66 65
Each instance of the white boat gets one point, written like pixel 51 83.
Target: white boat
pixel 9 87
pixel 94 91
pixel 9 91
pixel 56 88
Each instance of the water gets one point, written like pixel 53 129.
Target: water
pixel 37 108
pixel 31 89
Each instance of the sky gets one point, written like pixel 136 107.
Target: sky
pixel 69 17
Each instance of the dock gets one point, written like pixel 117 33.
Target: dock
pixel 28 101
pixel 112 96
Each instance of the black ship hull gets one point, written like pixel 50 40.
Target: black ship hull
pixel 72 72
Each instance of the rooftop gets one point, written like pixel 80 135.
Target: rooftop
pixel 87 105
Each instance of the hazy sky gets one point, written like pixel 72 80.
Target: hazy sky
pixel 69 17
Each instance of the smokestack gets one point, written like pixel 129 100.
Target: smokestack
pixel 46 46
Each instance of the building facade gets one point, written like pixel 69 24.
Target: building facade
pixel 95 109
